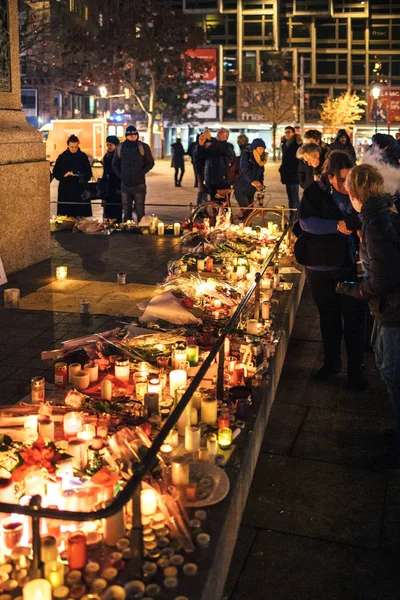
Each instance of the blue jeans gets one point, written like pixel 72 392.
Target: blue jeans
pixel 292 191
pixel 387 357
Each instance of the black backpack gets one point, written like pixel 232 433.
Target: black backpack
pixel 233 171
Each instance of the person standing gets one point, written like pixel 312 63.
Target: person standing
pixel 191 151
pixel 243 142
pixel 310 164
pixel 111 182
pixel 343 143
pixel 132 161
pixel 217 154
pixel 328 247
pixel 73 171
pixel 178 161
pixel 289 168
pixel 251 178
pixel 307 171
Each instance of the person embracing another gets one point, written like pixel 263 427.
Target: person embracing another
pixel 217 154
pixel 328 247
pixel 251 178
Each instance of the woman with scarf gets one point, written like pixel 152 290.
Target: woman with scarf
pixel 328 247
pixel 251 178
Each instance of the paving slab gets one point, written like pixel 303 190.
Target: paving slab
pixel 244 542
pixel 284 424
pixel 314 499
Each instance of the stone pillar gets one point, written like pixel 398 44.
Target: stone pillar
pixel 24 172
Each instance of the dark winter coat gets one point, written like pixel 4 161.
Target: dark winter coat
pixel 177 156
pixel 131 165
pixel 217 157
pixel 191 151
pixel 70 188
pixel 250 171
pixel 112 184
pixel 347 147
pixel 290 164
pixel 329 249
pixel 307 173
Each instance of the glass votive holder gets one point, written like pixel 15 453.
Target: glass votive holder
pixel 84 306
pixel 12 532
pixel 11 298
pixel 61 272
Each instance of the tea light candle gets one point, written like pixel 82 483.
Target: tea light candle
pixel 11 298
pixel 192 353
pixel 61 593
pixel 209 410
pixel 217 303
pixel 72 423
pixel 77 449
pixel 192 438
pixel 72 369
pixel 54 572
pixel 225 438
pixel 37 589
pixel 203 540
pixel 61 272
pixel 93 370
pixel 200 265
pixel 177 378
pixel 121 369
pixel 180 471
pixel 265 309
pixel 160 228
pixel 46 428
pixel 154 387
pixel 251 326
pixel 81 380
pixel 106 389
pixel 148 502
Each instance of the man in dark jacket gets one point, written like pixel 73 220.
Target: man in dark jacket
pixel 73 171
pixel 343 143
pixel 111 183
pixel 217 153
pixel 251 178
pixel 308 173
pixel 178 161
pixel 131 162
pixel 289 168
pixel 191 151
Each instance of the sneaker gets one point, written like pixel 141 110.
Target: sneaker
pixel 327 371
pixel 358 382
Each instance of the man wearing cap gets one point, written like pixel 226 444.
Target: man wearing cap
pixel 132 160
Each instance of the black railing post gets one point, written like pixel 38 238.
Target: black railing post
pixel 36 568
pixel 220 373
pixel 136 535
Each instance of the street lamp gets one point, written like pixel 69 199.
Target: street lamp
pixel 376 92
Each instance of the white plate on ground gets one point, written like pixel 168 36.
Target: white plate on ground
pixel 221 488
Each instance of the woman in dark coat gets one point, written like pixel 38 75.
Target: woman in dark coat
pixel 328 246
pixel 73 171
pixel 111 183
pixel 251 176
pixel 178 161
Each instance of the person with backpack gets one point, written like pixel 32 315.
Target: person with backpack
pixel 132 160
pixel 217 154
pixel 251 174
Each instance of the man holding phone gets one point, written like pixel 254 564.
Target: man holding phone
pixel 73 171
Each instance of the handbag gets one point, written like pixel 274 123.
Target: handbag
pixel 320 250
pixel 90 192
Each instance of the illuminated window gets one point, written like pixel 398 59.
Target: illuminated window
pixel 101 19
pixel 72 5
pixel 86 13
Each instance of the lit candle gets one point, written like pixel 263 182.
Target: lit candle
pixel 154 387
pixel 160 228
pixel 193 355
pixel 180 358
pixel 247 230
pixel 209 263
pixel 46 428
pixel 251 326
pixel 86 433
pixel 6 491
pixel 106 389
pixel 200 264
pixel 93 370
pixel 180 471
pixel 166 451
pixel 49 550
pixel 31 427
pixel 240 373
pixel 177 228
pixel 122 369
pixel 192 438
pixel 72 423
pixel 265 309
pixel 54 572
pixel 61 272
pixel 141 389
pixel 224 438
pixel 209 410
pixel 177 378
pixel 77 550
pixel 217 303
pixel 37 589
pixel 77 449
pixel 148 502
pixel 264 251
pixel 72 369
pixel 241 271
pixel 81 380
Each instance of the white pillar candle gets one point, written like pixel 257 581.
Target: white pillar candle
pixel 192 438
pixel 160 228
pixel 46 428
pixel 37 589
pixel 173 438
pixel 209 410
pixel 72 369
pixel 11 298
pixel 61 272
pixel 77 449
pixel 212 444
pixel 7 492
pixel 114 528
pixel 194 416
pixel 184 420
pixel 154 387
pixel 72 423
pixel 93 370
pixel 177 228
pixel 251 327
pixel 180 471
pixel 196 400
pixel 200 264
pixel 177 378
pixel 106 389
pixel 81 380
pixel 122 369
pixel 265 309
pixel 179 358
pixel 148 502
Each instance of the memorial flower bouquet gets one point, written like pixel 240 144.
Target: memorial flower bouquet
pixel 40 455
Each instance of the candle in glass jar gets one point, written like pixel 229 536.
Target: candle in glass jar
pixel 225 438
pixel 12 532
pixel 173 438
pixel 160 228
pixel 212 444
pixel 106 389
pixel 77 449
pixel 180 471
pixel 37 589
pixel 252 327
pixel 265 309
pixel 86 433
pixel 37 389
pixel 152 402
pixel 81 380
pixel 196 400
pixel 122 369
pixel 192 438
pixel 141 388
pixel 240 373
pixel 209 410
pixel 60 374
pixel 200 264
pixel 177 378
pixel 223 421
pixel 46 428
pixel 72 369
pixel 11 298
pixel 177 228
pixel 77 550
pixel 31 427
pixel 154 387
pixel 54 573
pixel 148 502
pixel 49 550
pixel 114 528
pixel 179 357
pixel 193 355
pixel 61 272
pixel 209 263
pixel 217 303
pixel 93 369
pixel 241 271
pixel 72 423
